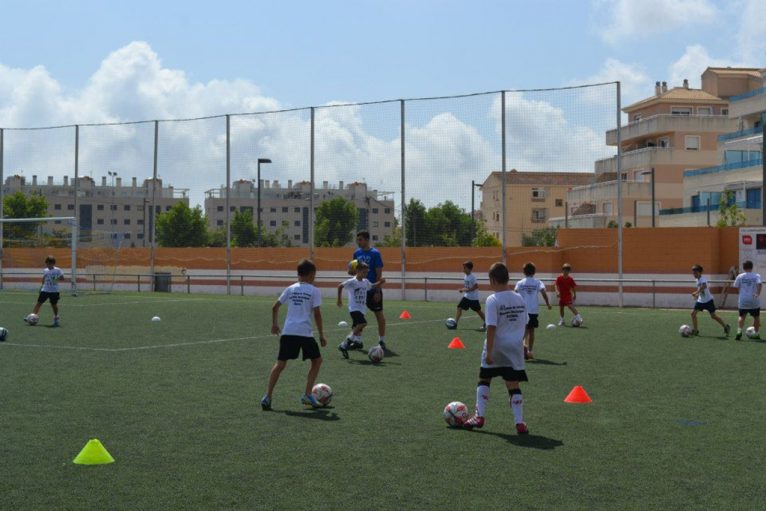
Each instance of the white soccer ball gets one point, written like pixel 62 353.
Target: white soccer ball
pixel 550 326
pixel 376 354
pixel 450 323
pixel 342 324
pixel 351 267
pixel 3 333
pixel 455 413
pixel 33 319
pixel 322 392
pixel 685 331
pixel 156 318
pixel 576 322
pixel 751 333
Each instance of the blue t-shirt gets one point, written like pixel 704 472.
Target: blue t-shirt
pixel 373 259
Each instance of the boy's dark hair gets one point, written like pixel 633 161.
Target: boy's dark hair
pixel 468 264
pixel 306 267
pixel 361 264
pixel 498 272
pixel 697 267
pixel 529 269
pixel 747 265
pixel 363 234
pixel 566 266
pixel 50 260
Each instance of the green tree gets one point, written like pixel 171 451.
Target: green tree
pixel 336 220
pixel 243 231
pixel 484 238
pixel 182 226
pixel 729 213
pixel 545 237
pixel 415 224
pixel 21 205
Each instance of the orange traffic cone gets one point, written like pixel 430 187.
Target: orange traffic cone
pixel 456 344
pixel 578 395
pixel 405 315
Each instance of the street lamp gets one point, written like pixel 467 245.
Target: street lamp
pixel 258 205
pixel 473 218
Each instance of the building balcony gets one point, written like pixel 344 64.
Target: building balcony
pixel 727 167
pixel 669 123
pixel 608 190
pixel 649 157
pixel 740 134
pixel 749 103
pixel 588 221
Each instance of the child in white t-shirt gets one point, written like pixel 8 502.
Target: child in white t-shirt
pixel 470 298
pixel 50 289
pixel 356 288
pixel 303 300
pixel 749 286
pixel 503 353
pixel 528 288
pixel 704 301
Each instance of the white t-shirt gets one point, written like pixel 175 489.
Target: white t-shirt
pixel 705 294
pixel 528 287
pixel 302 298
pixel 747 283
pixel 356 290
pixel 468 282
pixel 506 311
pixel 51 280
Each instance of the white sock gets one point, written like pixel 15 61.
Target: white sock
pixel 382 338
pixel 482 396
pixel 517 405
pixel 357 338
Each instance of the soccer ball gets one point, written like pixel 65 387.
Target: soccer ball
pixel 685 331
pixel 450 323
pixel 342 324
pixel 376 354
pixel 750 332
pixel 351 267
pixel 3 333
pixel 576 321
pixel 455 413
pixel 32 319
pixel 322 392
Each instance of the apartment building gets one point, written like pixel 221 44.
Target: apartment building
pixel 118 213
pixel 739 167
pixel 532 198
pixel 674 130
pixel 287 208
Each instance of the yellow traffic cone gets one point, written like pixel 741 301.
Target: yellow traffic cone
pixel 94 453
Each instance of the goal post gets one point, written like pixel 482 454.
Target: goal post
pixel 71 222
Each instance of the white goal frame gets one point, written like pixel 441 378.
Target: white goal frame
pixel 72 221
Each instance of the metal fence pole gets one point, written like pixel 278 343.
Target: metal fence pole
pixel 76 223
pixel 2 202
pixel 502 175
pixel 312 219
pixel 153 211
pixel 619 194
pixel 403 247
pixel 228 213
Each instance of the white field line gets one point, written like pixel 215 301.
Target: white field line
pixel 181 344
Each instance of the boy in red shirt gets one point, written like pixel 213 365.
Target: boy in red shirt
pixel 566 293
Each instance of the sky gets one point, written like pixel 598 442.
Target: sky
pixel 82 62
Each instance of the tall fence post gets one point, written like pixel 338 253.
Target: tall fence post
pixel 153 211
pixel 2 199
pixel 76 222
pixel 228 213
pixel 312 216
pixel 619 195
pixel 503 222
pixel 403 209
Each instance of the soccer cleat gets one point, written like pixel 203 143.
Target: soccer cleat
pixel 561 322
pixel 56 321
pixel 266 403
pixel 528 355
pixel 382 344
pixel 474 422
pixel 726 330
pixel 343 349
pixel 522 429
pixel 738 336
pixel 355 345
pixel 695 332
pixel 310 400
pixel 483 328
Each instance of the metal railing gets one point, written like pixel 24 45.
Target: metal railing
pixel 749 94
pixel 726 167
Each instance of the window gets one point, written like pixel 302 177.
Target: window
pixel 636 117
pixel 297 223
pixel 126 207
pixel 140 221
pixel 375 211
pixel 704 110
pixel 57 206
pixel 100 207
pixel 100 221
pixel 539 215
pixel 57 222
pixel 113 207
pixel 724 111
pixel 219 208
pixel 232 209
pixel 386 224
pixel 168 208
pixel 559 203
pixel 219 222
pixel 127 235
pixel 681 110
pixel 114 221
pixel 285 209
pixel 663 141
pixel 126 221
pixel 374 237
pixel 297 237
pixel 273 210
pixel 273 223
pixel 692 142
pixel 140 236
pixel 387 211
pixel 375 223
pixel 70 207
pixel 607 208
pixel 296 210
pixel 538 193
pixel 157 209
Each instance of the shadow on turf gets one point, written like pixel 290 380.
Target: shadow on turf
pixel 322 414
pixel 532 441
pixel 366 362
pixel 546 362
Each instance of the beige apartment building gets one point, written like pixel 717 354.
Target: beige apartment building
pixel 739 164
pixel 107 213
pixel 532 198
pixel 287 208
pixel 668 133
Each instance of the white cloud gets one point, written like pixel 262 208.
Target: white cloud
pixel 751 40
pixel 691 65
pixel 634 82
pixel 634 19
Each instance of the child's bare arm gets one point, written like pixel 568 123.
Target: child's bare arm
pixel 340 295
pixel 490 344
pixel 545 297
pixel 379 283
pixel 320 327
pixel 275 318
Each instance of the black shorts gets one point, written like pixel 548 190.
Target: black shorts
pixel 291 345
pixel 753 312
pixel 375 299
pixel 358 318
pixel 507 373
pixel 707 306
pixel 466 304
pixel 533 322
pixel 45 295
